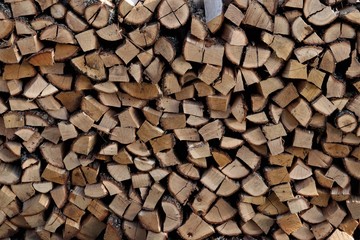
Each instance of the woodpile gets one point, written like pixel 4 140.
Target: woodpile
pixel 169 119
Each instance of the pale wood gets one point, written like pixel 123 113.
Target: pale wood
pixel 179 187
pixel 303 138
pixel 340 50
pixel 318 13
pixel 286 95
pixel 255 57
pixel 58 11
pixel 234 36
pixel 86 65
pixel 152 134
pixel 272 206
pixel 84 144
pixel 150 220
pixel 97 15
pixel 264 222
pixel 295 69
pixel 229 228
pixel 281 25
pixel 353 71
pixel 251 228
pixel 212 178
pixel 307 53
pixel 169 17
pixel 228 187
pixel 289 223
pixel 57 33
pixel 203 201
pixel 346 121
pixel 75 23
pixel 214 216
pixel 276 176
pixel 300 29
pixel 249 183
pixel 306 187
pixel 254 136
pixel 282 46
pixel 283 192
pixel 257 16
pixel 234 14
pixel 173 213
pixel 301 111
pixel 322 230
pixel 250 158
pixel 195 228
pixel 196 51
pixel 337 234
pixel 198 28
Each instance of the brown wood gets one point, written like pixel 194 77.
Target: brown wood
pixel 148 119
pixel 133 230
pixel 229 228
pixel 353 69
pixel 254 180
pixel 255 9
pixel 214 15
pixel 195 227
pixel 318 13
pixel 150 220
pixel 173 14
pixel 198 28
pixel 213 215
pixel 180 188
pixel 174 217
pixel 203 201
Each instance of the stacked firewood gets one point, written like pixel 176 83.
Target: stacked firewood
pixel 192 119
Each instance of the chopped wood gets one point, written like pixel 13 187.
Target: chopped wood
pixel 174 216
pixel 257 16
pixel 195 228
pixel 346 121
pixel 173 14
pixel 336 150
pixel 214 15
pixel 318 13
pixel 146 119
pixel 229 228
pixel 289 223
pixel 254 185
pixel 198 28
pixel 306 187
pixel 180 188
pixel 340 50
pixel 286 95
pixel 295 70
pixel 282 46
pixel 203 201
pixel 214 216
pixel 150 220
pixel 300 29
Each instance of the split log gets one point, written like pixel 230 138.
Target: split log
pixel 195 228
pixel 180 188
pixel 173 214
pixel 173 14
pixel 318 13
pixel 257 16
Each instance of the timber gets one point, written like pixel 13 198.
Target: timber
pixel 179 119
